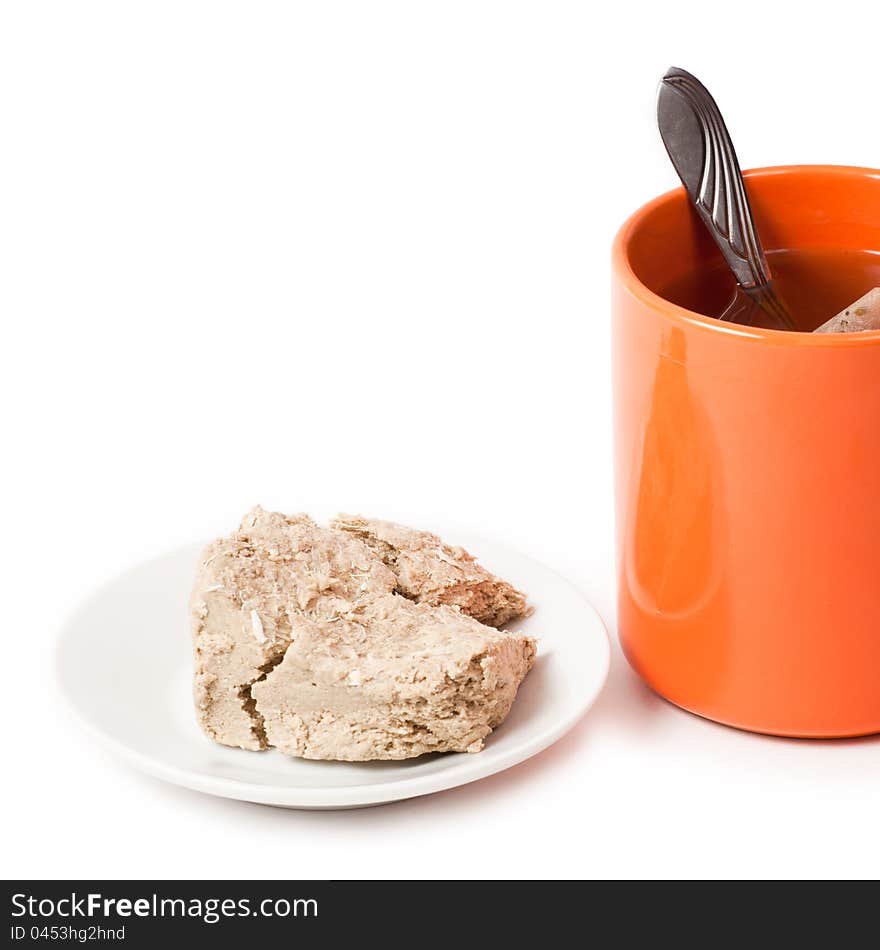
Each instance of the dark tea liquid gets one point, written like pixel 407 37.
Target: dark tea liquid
pixel 816 283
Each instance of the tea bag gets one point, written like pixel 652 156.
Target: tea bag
pixel 864 314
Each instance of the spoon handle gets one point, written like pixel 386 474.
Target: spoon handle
pixel 702 152
pixel 700 148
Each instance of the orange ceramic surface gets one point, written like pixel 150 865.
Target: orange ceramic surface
pixel 747 469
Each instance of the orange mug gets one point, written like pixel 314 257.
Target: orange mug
pixel 747 476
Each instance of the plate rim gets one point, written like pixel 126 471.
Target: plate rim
pixel 336 797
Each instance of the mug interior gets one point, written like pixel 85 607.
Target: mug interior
pixel 805 206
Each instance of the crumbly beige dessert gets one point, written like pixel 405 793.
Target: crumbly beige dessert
pixel 301 642
pixel 248 590
pixel 431 572
pixel 864 314
pixel 391 679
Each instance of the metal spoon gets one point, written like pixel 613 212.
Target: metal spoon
pixel 700 148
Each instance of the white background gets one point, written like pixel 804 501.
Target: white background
pixel 355 256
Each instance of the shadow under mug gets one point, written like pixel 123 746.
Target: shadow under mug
pixel 747 476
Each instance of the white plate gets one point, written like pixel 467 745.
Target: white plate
pixel 124 666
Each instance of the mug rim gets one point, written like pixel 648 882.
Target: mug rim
pixel 624 272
